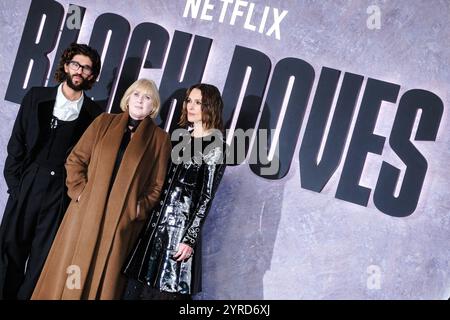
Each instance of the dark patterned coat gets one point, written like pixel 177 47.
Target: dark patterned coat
pixel 186 198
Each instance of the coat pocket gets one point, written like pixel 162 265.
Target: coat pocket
pixel 80 196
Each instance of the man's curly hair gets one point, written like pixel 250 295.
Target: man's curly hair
pixel 67 56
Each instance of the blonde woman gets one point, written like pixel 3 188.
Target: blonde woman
pixel 114 177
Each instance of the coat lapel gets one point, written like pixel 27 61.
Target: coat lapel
pixel 43 113
pixel 135 150
pixel 110 145
pixel 132 157
pixel 83 121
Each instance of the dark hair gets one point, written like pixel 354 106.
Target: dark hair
pixel 212 107
pixel 73 50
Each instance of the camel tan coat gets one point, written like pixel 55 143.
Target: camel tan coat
pixel 98 232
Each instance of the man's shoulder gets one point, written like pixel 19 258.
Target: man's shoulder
pixel 43 92
pixel 35 96
pixel 92 106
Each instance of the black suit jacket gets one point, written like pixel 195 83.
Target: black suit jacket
pixel 35 111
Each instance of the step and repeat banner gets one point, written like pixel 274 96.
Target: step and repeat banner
pixel 343 191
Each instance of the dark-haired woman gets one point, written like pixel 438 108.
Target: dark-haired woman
pixel 165 264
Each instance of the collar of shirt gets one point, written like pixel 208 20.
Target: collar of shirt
pixel 65 109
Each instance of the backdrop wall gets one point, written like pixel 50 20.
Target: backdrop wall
pixel 303 233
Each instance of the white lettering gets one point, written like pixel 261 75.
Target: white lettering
pixel 206 8
pixel 276 24
pixel 194 5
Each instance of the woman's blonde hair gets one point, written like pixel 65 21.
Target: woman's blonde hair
pixel 146 86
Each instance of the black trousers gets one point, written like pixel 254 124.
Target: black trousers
pixel 29 233
pixel 136 290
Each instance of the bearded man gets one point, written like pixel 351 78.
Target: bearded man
pixel 49 123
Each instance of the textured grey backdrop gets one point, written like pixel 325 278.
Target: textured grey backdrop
pixel 272 239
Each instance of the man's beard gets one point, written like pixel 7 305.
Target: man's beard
pixel 82 86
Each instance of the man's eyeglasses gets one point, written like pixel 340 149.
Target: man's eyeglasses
pixel 87 70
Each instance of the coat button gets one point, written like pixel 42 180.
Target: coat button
pixel 157 214
pixel 52 173
pixel 153 224
pixel 161 202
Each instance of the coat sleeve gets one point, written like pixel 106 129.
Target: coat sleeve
pixel 17 146
pixel 78 160
pixel 214 170
pixel 151 196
